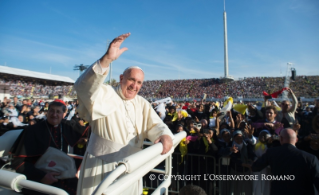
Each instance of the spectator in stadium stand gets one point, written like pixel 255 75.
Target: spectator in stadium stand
pixel 213 119
pixel 45 107
pixel 24 112
pixel 311 145
pixel 16 103
pixel 254 113
pixel 315 111
pixel 310 134
pixel 207 142
pixel 287 114
pixel 270 123
pixel 262 186
pixel 34 141
pixel 181 120
pixel 224 145
pixel 226 120
pixel 170 115
pixel 3 103
pixel 200 114
pixel 299 112
pixel 287 161
pixel 241 156
pixel 5 125
pixel 204 124
pixel 224 141
pixel 34 112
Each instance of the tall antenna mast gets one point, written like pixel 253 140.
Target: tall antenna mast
pixel 225 44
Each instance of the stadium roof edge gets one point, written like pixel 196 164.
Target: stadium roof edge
pixel 33 74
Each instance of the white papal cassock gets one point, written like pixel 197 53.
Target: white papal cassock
pixel 119 128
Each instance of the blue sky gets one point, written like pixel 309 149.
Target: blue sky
pixel 169 39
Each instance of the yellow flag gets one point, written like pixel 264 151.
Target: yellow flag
pixel 260 145
pixel 241 108
pixel 184 113
pixel 183 149
pixel 230 99
pixel 206 144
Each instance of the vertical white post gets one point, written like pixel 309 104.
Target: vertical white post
pixel 225 44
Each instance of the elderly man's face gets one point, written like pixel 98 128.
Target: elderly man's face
pixel 131 82
pixel 55 115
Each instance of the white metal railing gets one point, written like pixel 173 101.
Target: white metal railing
pixel 136 166
pixel 16 182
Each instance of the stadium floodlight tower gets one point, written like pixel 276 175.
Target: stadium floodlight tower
pixel 227 78
pixel 81 68
pixel 287 80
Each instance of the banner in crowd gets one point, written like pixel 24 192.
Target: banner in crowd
pixel 165 100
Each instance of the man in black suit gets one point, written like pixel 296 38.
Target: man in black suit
pixel 286 160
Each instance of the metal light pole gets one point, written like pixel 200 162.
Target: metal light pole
pixel 287 81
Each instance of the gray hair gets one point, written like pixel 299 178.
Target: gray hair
pixel 131 67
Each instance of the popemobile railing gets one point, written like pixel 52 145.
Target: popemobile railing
pixel 136 166
pixel 133 167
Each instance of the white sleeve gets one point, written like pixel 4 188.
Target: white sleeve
pixel 98 68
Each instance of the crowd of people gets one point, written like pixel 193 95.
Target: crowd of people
pixel 32 88
pixel 305 86
pixel 252 87
pixel 211 130
pixel 241 137
pixel 20 113
pixel 226 139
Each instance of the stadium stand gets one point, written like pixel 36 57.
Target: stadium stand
pixel 35 84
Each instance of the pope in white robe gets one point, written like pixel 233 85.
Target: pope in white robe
pixel 120 120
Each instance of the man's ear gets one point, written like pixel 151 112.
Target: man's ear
pixel 121 78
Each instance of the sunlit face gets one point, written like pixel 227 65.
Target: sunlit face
pixel 270 115
pixel 20 118
pixel 285 106
pixel 131 82
pixel 55 115
pixel 214 113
